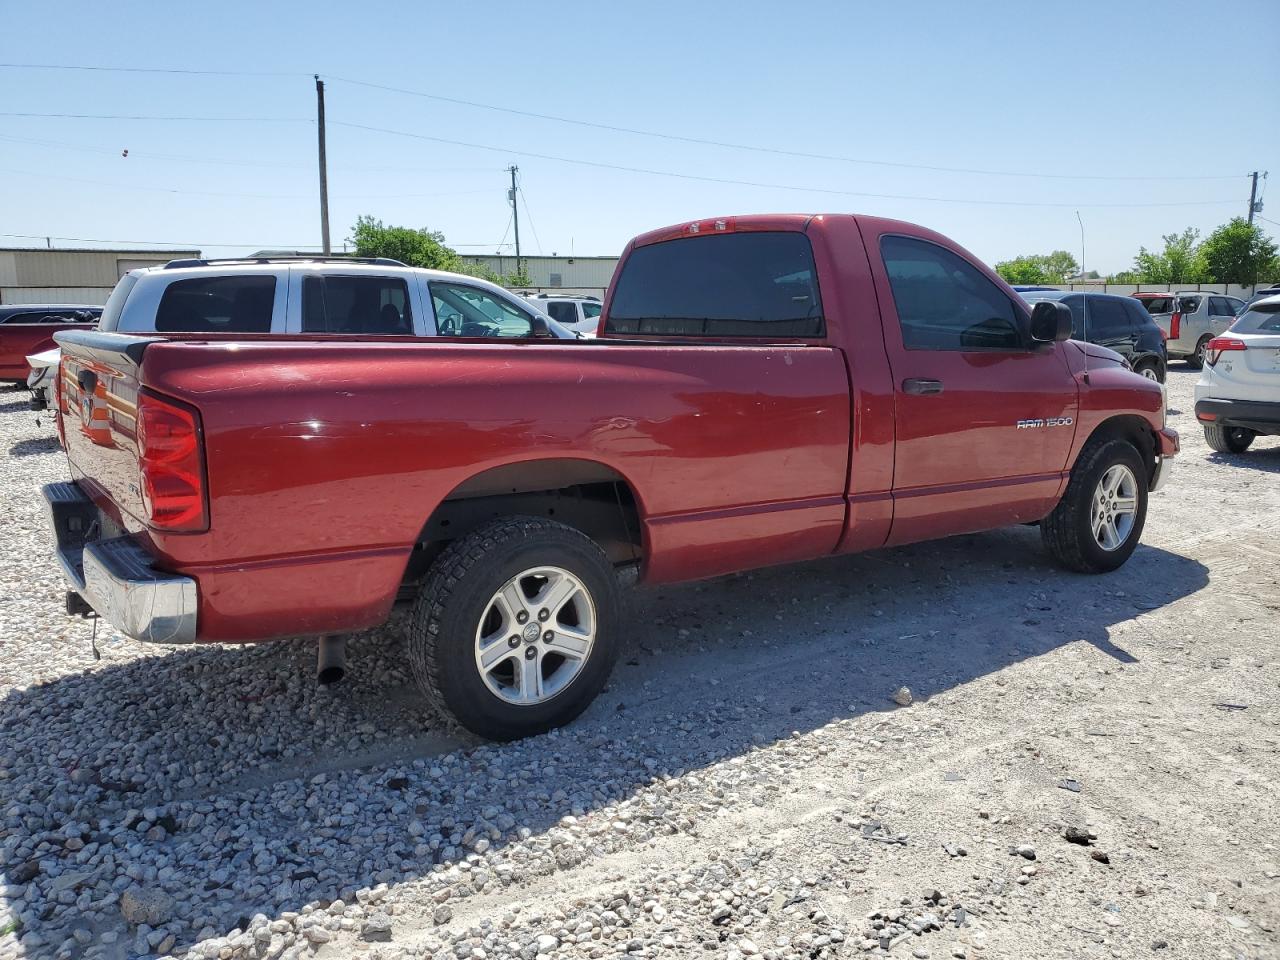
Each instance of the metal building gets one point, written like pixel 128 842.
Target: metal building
pixel 567 274
pixel 32 275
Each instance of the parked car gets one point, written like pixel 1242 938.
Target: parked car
pixel 1190 320
pixel 315 295
pixel 29 328
pixel 1117 323
pixel 577 313
pixel 1238 396
pixel 729 416
pixel 1261 295
pixel 44 367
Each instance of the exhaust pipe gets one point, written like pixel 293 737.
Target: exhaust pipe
pixel 331 660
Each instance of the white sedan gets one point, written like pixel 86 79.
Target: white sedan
pixel 1238 396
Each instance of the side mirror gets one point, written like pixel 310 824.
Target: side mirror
pixel 538 326
pixel 1050 322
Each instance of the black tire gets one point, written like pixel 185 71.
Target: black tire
pixel 457 592
pixel 1151 370
pixel 1196 360
pixel 1067 532
pixel 1228 439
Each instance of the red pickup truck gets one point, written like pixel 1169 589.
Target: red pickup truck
pixel 29 328
pixel 763 390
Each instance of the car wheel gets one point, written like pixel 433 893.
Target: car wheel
pixel 1196 360
pixel 1228 439
pixel 1149 369
pixel 515 629
pixel 1096 525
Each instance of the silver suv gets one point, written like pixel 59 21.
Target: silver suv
pixel 581 314
pixel 1189 320
pixel 338 295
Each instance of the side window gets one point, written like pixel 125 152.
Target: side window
pixel 944 302
pixel 1076 305
pixel 591 310
pixel 563 312
pixel 374 306
pixel 1189 304
pixel 1237 306
pixel 466 311
pixel 217 305
pixel 1108 319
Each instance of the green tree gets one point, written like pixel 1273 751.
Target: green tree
pixel 1238 252
pixel 1179 262
pixel 417 248
pixel 1053 267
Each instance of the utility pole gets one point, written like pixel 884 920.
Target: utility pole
pixel 515 213
pixel 1253 195
pixel 324 170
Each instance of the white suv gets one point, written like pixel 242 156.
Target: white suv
pixel 337 295
pixel 581 314
pixel 1238 396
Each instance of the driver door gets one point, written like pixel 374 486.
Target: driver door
pixel 983 421
pixel 462 310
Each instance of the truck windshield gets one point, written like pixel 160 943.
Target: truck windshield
pixel 720 285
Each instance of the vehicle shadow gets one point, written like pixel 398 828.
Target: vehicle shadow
pixel 1266 459
pixel 226 778
pixel 13 406
pixel 34 446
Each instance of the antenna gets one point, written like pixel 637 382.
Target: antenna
pixel 1084 301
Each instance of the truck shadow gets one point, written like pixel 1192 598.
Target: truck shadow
pixel 225 778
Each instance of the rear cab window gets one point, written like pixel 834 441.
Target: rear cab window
pixel 720 285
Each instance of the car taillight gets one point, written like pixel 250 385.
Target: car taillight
pixel 59 404
pixel 1216 347
pixel 1175 325
pixel 171 464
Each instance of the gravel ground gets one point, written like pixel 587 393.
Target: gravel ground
pixel 1089 767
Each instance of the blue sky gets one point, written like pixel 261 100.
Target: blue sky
pixel 1138 90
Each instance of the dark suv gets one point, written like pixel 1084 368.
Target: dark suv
pixel 1118 323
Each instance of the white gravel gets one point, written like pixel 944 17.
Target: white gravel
pixel 746 787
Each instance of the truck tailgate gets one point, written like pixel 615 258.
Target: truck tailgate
pixel 99 387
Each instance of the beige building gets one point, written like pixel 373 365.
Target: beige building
pixel 588 275
pixel 31 275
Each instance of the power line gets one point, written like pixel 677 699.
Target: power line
pixel 591 124
pixel 194 73
pixel 197 243
pixel 529 216
pixel 754 183
pixel 122 116
pixel 759 149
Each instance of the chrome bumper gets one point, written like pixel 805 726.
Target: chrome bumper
pixel 115 576
pixel 1164 467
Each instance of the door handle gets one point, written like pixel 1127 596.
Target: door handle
pixel 921 388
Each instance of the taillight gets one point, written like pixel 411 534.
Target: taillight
pixel 171 464
pixel 59 405
pixel 1175 325
pixel 1216 347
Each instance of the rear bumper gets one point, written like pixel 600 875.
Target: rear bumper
pixel 1259 415
pixel 115 576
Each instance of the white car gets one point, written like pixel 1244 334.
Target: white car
pixel 1238 396
pixel 580 314
pixel 44 367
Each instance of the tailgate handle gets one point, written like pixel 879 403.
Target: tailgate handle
pixel 921 388
pixel 88 381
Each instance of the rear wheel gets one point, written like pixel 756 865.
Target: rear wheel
pixel 1097 524
pixel 1228 439
pixel 1196 360
pixel 1149 369
pixel 515 629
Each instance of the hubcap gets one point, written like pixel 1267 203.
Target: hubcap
pixel 1149 373
pixel 552 619
pixel 1115 507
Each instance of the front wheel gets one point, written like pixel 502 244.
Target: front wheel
pixel 1149 369
pixel 1228 439
pixel 515 629
pixel 1096 525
